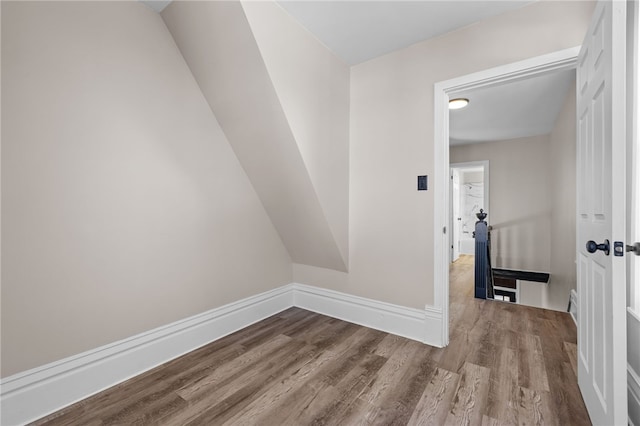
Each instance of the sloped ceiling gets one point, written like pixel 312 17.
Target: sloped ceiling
pixel 249 89
pixel 218 44
pixel 357 31
pixel 313 87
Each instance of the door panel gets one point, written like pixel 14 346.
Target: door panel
pixel 584 302
pixel 600 155
pixel 601 215
pixel 600 322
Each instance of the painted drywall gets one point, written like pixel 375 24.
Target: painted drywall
pixel 519 186
pixel 390 222
pixel 312 85
pixel 123 206
pixel 472 177
pixel 563 206
pixel 217 42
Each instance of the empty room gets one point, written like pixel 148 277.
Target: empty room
pixel 239 212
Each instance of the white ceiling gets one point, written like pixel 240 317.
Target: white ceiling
pixel 361 30
pixel 357 31
pixel 510 111
pixel 157 5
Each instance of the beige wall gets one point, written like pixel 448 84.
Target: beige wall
pixel 390 223
pixel 472 177
pixel 123 206
pixel 563 202
pixel 220 47
pixel 312 85
pixel 519 199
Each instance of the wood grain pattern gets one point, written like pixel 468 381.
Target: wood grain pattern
pixel 435 402
pixel 502 401
pixel 535 408
pixel 506 365
pixel 532 372
pixel 470 398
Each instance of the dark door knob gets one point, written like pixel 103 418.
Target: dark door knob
pixel 592 247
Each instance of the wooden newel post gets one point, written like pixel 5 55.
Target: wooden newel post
pixel 482 261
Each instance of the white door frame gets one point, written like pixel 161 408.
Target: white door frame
pixel 556 61
pixel 633 225
pixel 485 199
pixel 454 193
pixel 633 160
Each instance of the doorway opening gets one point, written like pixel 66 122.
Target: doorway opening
pixel 539 66
pixel 469 194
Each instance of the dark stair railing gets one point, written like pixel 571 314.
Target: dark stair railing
pixel 483 270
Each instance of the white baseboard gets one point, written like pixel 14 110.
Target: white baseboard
pixel 633 386
pixel 573 306
pixel 33 394
pixel 422 325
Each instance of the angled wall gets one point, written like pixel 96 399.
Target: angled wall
pixel 123 206
pixel 217 42
pixel 312 85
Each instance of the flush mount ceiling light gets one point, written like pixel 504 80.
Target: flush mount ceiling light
pixel 458 103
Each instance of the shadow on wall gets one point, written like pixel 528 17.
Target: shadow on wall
pixel 517 243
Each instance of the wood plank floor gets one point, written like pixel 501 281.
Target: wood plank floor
pixel 506 365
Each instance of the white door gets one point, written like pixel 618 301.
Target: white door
pixel 601 215
pixel 455 225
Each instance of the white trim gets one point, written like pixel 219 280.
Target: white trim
pixel 564 59
pixel 633 175
pixel 633 386
pixel 573 306
pixel 634 201
pixel 33 394
pixel 421 325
